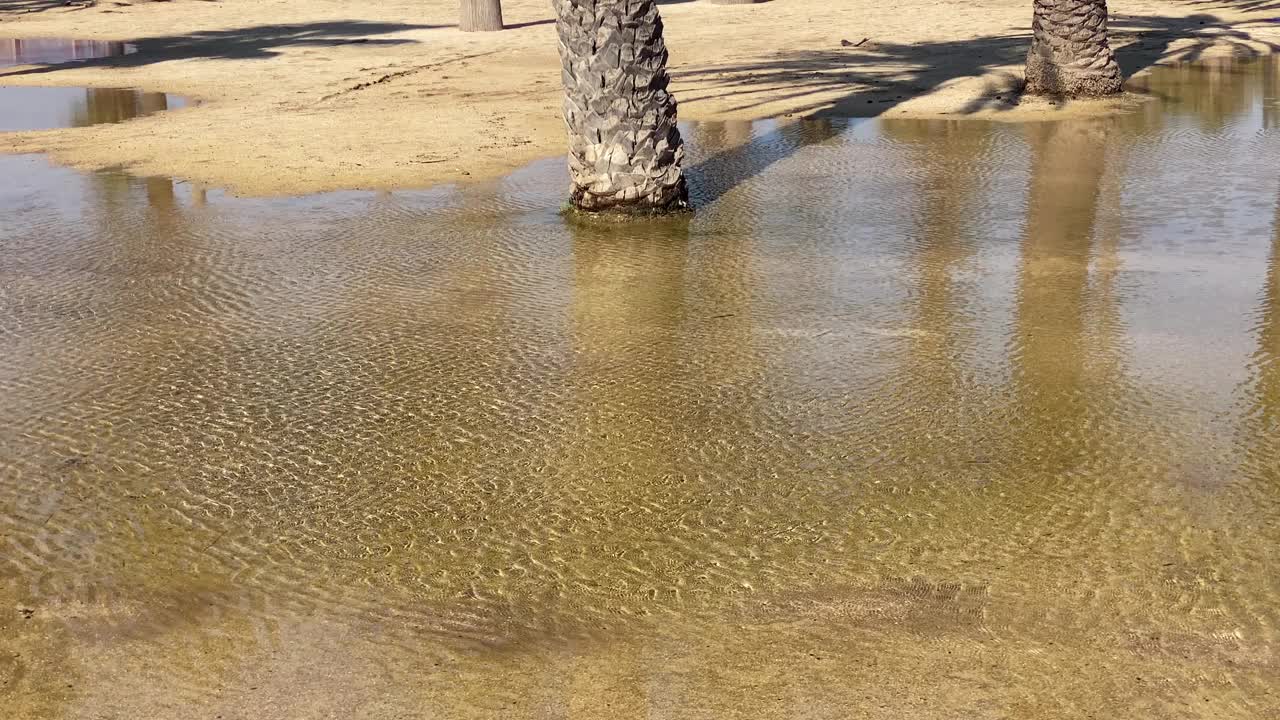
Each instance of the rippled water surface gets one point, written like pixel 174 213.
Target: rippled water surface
pixel 914 419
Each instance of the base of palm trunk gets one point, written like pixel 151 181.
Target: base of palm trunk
pixel 1070 54
pixel 625 150
pixel 626 205
pixel 737 2
pixel 1045 77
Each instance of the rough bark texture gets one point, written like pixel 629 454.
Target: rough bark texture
pixel 625 151
pixel 480 15
pixel 1070 55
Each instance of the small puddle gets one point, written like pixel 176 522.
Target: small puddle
pixel 49 108
pixel 48 51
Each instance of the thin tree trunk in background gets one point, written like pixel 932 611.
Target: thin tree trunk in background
pixel 1070 54
pixel 624 148
pixel 480 15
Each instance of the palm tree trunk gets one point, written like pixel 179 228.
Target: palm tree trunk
pixel 624 148
pixel 480 15
pixel 1070 55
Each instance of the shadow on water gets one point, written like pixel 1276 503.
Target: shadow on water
pixel 748 155
pixel 257 42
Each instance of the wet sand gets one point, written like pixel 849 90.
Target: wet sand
pixel 303 96
pixel 989 432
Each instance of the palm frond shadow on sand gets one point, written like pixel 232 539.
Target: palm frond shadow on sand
pixel 258 42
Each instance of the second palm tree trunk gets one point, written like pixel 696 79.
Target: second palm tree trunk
pixel 625 150
pixel 480 15
pixel 1070 54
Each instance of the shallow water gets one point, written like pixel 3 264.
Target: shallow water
pixel 914 419
pixel 47 108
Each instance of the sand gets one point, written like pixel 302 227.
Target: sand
pixel 300 96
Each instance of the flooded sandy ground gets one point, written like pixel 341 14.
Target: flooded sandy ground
pixel 914 419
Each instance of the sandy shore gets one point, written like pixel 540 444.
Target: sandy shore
pixel 303 96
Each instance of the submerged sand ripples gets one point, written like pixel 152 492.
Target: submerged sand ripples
pixel 449 450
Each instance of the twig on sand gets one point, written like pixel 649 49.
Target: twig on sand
pixel 402 73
